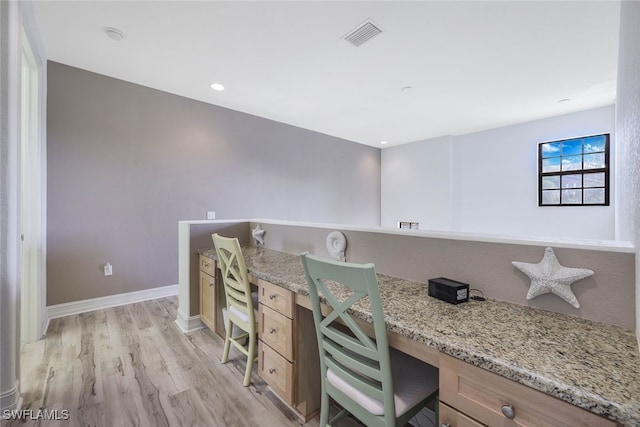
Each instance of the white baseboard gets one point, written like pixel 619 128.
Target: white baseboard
pixel 188 323
pixel 84 306
pixel 11 399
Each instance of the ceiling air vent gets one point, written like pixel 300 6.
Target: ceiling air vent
pixel 363 32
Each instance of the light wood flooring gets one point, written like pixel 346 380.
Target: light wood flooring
pixel 132 366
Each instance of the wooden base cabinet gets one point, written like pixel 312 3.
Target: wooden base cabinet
pixel 207 292
pixel 211 296
pixel 288 350
pixel 276 371
pixel 485 398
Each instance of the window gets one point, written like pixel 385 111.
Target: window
pixel 574 172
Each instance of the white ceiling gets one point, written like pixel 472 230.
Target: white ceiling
pixel 472 65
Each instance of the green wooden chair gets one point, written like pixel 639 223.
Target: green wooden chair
pixel 240 302
pixel 378 385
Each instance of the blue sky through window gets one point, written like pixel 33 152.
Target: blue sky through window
pixel 572 163
pixel 572 147
pixel 551 149
pixel 551 165
pixel 595 143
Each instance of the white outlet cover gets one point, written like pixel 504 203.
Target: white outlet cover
pixel 211 215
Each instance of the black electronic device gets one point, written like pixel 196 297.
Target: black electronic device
pixel 449 290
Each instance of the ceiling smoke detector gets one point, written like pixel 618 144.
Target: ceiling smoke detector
pixel 114 33
pixel 363 33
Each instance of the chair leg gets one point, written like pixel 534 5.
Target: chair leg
pixel 324 410
pixel 250 359
pixel 227 342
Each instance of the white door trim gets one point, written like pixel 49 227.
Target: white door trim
pixel 33 177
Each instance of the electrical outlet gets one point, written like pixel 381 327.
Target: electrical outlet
pixel 108 269
pixel 211 215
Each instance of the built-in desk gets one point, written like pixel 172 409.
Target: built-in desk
pixel 590 365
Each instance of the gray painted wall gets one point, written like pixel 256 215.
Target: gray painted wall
pixel 628 133
pixel 126 162
pixel 604 297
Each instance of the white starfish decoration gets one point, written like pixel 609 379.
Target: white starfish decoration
pixel 258 235
pixel 549 276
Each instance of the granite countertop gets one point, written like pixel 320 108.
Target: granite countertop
pixel 592 365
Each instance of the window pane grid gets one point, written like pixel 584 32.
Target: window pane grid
pixel 574 172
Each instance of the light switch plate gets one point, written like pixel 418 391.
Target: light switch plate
pixel 211 215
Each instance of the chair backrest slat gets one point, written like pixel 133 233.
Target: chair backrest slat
pixel 353 361
pixel 350 343
pixel 361 382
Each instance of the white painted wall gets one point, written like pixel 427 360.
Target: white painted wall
pixel 628 134
pixel 416 184
pixel 496 180
pixel 486 182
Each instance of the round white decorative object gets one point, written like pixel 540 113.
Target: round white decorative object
pixel 336 245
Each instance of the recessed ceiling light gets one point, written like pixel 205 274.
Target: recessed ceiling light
pixel 114 33
pixel 217 86
pixel 564 100
pixel 383 142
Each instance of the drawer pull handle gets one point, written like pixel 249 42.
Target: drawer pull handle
pixel 272 370
pixel 272 330
pixel 272 296
pixel 211 283
pixel 508 411
pixel 205 265
pixel 445 425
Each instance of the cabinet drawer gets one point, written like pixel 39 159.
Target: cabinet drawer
pixel 481 395
pixel 276 298
pixel 276 330
pixel 207 265
pixel 276 371
pixel 449 417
